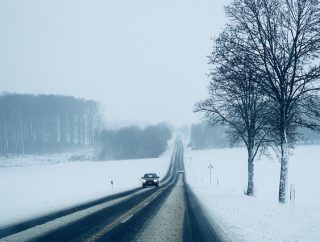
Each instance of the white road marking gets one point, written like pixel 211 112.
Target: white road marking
pixel 126 219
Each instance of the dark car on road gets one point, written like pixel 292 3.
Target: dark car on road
pixel 150 179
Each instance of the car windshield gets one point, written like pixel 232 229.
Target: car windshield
pixel 153 175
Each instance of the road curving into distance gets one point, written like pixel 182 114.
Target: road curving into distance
pixel 168 213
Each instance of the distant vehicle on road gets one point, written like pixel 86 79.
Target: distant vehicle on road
pixel 180 171
pixel 150 179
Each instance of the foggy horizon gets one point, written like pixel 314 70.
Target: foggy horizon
pixel 143 61
pixel 159 120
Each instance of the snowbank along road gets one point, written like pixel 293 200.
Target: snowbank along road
pixel 168 213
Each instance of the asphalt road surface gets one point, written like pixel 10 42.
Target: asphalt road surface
pixel 168 213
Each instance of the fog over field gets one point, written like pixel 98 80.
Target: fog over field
pixel 144 60
pixel 200 116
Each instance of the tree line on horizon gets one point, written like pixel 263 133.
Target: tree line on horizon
pixel 46 123
pixel 133 142
pixel 204 136
pixel 265 78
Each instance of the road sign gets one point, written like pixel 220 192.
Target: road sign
pixel 210 168
pixel 292 198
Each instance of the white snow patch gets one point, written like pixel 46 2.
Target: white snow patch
pixel 78 155
pixel 260 218
pixel 34 190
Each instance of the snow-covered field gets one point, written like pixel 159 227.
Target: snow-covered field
pixel 243 218
pixel 28 189
pixel 46 159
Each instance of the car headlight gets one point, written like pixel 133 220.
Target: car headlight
pixel 155 180
pixel 143 180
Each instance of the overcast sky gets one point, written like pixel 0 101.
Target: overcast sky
pixel 144 60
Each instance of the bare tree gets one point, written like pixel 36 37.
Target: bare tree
pixel 235 99
pixel 282 38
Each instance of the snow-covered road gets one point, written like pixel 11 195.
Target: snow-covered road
pixel 167 224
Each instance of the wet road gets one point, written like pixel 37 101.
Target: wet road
pixel 167 224
pixel 168 213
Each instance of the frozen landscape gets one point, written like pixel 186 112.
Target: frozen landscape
pixel 29 189
pixel 241 218
pixel 96 94
pixel 32 190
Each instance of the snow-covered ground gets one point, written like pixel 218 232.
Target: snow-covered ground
pixel 243 218
pixel 46 159
pixel 29 189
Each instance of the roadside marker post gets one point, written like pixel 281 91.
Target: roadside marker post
pixel 210 168
pixel 292 198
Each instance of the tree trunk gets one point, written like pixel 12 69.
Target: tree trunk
pixel 284 167
pixel 250 188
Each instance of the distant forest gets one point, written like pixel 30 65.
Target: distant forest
pixel 46 123
pixel 307 136
pixel 133 142
pixel 204 136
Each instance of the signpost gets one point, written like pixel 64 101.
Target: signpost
pixel 292 198
pixel 210 167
